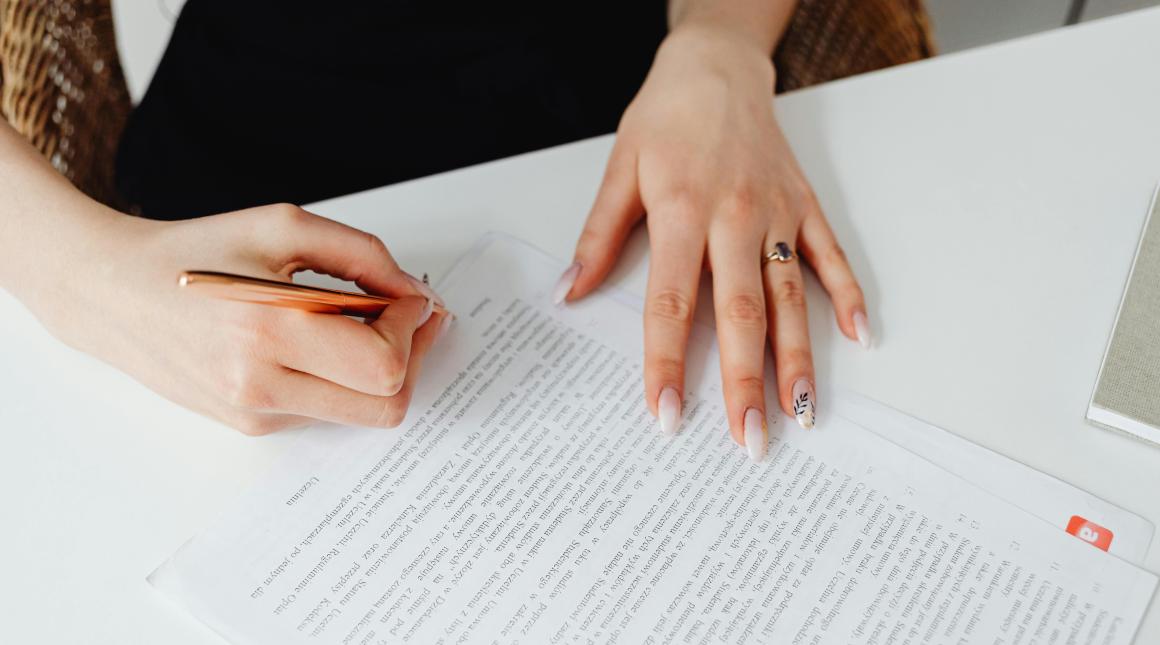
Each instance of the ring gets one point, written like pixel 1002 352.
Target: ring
pixel 781 253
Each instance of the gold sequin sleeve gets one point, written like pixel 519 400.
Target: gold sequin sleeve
pixel 61 86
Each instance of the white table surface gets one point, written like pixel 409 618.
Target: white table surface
pixel 990 202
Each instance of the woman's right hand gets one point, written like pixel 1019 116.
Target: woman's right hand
pixel 258 369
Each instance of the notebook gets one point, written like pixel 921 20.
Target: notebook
pixel 1127 392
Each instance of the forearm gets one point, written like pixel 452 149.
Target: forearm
pixel 760 22
pixel 46 224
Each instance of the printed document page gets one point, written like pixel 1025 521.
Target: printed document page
pixel 530 498
pixel 1116 530
pixel 1121 532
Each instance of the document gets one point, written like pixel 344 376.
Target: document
pixel 1035 492
pixel 529 497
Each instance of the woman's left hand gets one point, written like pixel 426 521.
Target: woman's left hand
pixel 700 152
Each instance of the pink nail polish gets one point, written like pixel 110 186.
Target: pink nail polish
pixel 862 330
pixel 755 437
pixel 669 410
pixel 444 326
pixel 428 309
pixel 804 404
pixel 560 293
pixel 425 289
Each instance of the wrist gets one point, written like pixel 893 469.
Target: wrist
pixel 757 23
pixel 720 49
pixel 724 33
pixel 67 253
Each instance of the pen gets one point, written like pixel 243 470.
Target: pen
pixel 228 286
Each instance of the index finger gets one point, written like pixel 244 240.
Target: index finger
pixel 292 239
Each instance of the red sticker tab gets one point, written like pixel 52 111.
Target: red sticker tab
pixel 1090 532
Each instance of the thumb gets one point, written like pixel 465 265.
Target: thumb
pixel 291 239
pixel 614 213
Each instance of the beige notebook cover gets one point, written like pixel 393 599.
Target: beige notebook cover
pixel 1127 392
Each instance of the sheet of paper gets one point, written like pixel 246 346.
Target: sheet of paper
pixel 530 498
pixel 1037 493
pixel 1127 535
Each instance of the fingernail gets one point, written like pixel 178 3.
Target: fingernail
pixel 804 403
pixel 565 284
pixel 425 289
pixel 862 330
pixel 444 326
pixel 669 410
pixel 755 440
pixel 428 309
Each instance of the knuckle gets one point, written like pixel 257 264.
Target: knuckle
pixel 288 215
pixel 789 293
pixel 392 412
pixel 671 305
pixel 751 384
pixel 797 189
pixel 251 396
pixel 796 360
pixel 256 425
pixel 746 310
pixel 833 254
pixel 781 204
pixel 680 198
pixel 667 368
pixel 376 245
pixel 389 370
pixel 807 195
pixel 742 203
pixel 244 390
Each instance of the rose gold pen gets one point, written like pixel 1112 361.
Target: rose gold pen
pixel 228 286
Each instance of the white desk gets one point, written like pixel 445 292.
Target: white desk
pixel 990 201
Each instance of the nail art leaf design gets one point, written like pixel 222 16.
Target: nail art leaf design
pixel 800 404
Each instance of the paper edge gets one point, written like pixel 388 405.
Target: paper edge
pixel 1144 522
pixel 1092 405
pixel 166 581
pixel 1107 419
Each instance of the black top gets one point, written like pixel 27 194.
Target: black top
pixel 261 101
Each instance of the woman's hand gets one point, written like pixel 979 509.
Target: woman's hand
pixel 700 152
pixel 258 369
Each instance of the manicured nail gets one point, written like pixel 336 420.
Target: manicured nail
pixel 445 325
pixel 669 410
pixel 428 309
pixel 425 289
pixel 755 440
pixel 862 330
pixel 565 284
pixel 804 403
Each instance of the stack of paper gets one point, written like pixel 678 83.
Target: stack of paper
pixel 530 498
pixel 1127 392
